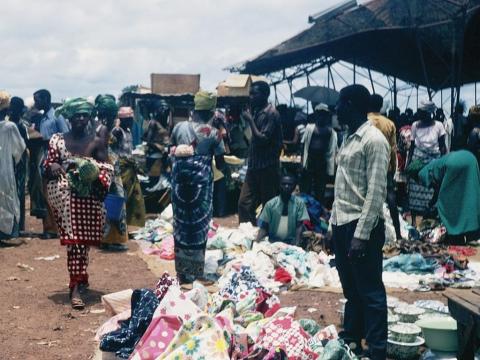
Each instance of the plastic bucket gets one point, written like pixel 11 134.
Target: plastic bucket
pixel 114 205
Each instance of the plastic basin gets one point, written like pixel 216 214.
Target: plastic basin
pixel 440 333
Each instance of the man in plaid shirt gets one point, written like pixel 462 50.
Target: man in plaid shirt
pixel 358 231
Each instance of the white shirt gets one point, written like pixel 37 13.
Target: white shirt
pixel 427 137
pixel 448 125
pixel 12 146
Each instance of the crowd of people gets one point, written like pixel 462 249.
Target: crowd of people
pixel 79 155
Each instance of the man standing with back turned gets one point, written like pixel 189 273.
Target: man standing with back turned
pixel 358 230
pixel 48 125
pixel 263 174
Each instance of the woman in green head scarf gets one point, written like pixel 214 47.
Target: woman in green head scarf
pixel 80 215
pixel 115 235
pixel 456 180
pixel 107 109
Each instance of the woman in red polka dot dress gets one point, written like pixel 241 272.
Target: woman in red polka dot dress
pixel 80 218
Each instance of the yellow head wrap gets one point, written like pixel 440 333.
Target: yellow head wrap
pixel 205 100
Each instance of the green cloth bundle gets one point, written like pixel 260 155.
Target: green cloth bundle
pixel 82 178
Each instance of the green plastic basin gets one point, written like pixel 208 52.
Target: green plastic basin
pixel 440 333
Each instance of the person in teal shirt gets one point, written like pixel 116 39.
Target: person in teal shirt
pixel 456 180
pixel 283 216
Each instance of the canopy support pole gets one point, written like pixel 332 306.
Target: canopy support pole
pixel 417 97
pixel 395 92
pixel 290 85
pixel 308 84
pixel 371 80
pixel 422 61
pixel 354 72
pixel 331 76
pixel 276 95
pixel 328 76
pixel 461 37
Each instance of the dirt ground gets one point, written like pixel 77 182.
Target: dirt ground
pixel 37 322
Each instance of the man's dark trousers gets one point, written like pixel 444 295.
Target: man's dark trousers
pixel 260 186
pixel 366 308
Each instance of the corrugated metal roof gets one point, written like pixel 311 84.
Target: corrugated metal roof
pixel 382 35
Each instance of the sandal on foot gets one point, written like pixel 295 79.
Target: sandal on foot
pixel 204 281
pixel 77 303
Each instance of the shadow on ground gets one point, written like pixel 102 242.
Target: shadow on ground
pixel 90 297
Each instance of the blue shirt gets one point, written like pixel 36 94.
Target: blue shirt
pixel 51 124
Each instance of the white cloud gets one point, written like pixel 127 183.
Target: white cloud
pixel 94 46
pixel 82 48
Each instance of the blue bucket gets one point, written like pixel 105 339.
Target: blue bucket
pixel 114 205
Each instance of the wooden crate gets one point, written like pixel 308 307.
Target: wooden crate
pixel 175 84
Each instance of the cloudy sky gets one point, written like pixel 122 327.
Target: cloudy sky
pixel 82 48
pixel 86 47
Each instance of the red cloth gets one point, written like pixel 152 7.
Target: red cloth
pixel 462 250
pixel 266 303
pixel 282 275
pixel 77 263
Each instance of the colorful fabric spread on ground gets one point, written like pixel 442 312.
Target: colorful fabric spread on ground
pixel 280 266
pixel 223 325
pixel 80 220
pixel 192 192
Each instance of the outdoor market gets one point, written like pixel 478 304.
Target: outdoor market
pixel 321 201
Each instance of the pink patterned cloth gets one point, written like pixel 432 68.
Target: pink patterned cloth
pixel 157 337
pixel 174 310
pixel 287 334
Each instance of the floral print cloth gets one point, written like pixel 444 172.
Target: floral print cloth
pixel 287 334
pixel 240 323
pixel 240 281
pixel 198 339
pixel 174 310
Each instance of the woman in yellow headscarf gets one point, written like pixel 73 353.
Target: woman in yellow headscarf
pixel 196 143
